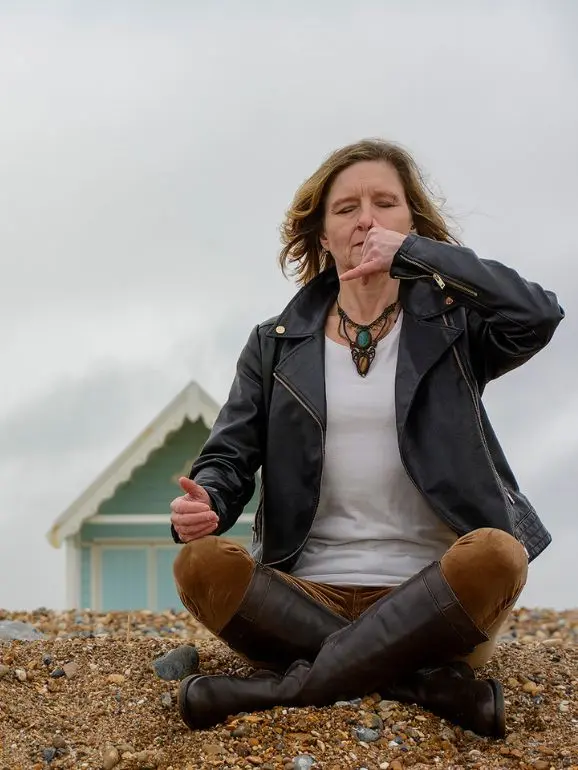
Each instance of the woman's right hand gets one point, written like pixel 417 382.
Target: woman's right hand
pixel 192 516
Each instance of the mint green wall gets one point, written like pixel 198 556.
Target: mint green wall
pixel 152 486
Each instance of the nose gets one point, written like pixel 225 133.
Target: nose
pixel 365 219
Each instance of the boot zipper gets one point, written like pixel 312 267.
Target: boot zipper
pixel 505 493
pixel 307 408
pixel 441 282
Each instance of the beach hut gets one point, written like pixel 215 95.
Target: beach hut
pixel 116 534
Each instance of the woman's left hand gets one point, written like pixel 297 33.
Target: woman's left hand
pixel 377 254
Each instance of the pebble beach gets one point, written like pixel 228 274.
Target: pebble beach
pixel 98 692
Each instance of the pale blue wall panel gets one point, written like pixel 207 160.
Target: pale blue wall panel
pixel 85 578
pixel 167 596
pixel 124 578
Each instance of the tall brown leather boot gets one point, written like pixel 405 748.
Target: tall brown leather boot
pixel 453 692
pixel 420 623
pixel 277 623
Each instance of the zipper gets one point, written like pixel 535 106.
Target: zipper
pixel 308 409
pixel 441 282
pixel 505 493
pixel 461 287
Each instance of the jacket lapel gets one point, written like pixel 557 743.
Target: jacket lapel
pixel 422 343
pixel 300 331
pixel 303 371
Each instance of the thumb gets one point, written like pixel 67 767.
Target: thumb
pixel 190 487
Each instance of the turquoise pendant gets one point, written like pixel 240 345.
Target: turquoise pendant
pixel 363 339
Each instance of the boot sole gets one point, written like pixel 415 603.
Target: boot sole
pixel 500 708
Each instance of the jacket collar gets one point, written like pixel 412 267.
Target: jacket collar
pixel 306 313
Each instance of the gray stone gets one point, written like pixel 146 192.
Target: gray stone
pixel 366 734
pixel 178 663
pixel 12 630
pixel 167 700
pixel 49 754
pixel 303 762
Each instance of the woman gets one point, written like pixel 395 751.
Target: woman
pixel 392 539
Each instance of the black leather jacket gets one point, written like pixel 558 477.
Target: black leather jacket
pixel 466 321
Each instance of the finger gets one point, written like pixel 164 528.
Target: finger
pixel 190 487
pixel 366 244
pixel 182 505
pixel 365 269
pixel 189 538
pixel 193 519
pixel 195 534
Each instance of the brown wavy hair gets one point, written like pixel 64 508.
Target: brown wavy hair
pixel 301 229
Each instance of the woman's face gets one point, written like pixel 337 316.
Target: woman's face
pixel 362 195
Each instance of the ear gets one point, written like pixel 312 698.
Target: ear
pixel 323 241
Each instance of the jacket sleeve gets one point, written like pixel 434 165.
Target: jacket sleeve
pixel 231 456
pixel 510 319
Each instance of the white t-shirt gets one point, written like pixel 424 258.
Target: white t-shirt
pixel 372 527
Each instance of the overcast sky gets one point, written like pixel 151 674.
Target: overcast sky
pixel 148 151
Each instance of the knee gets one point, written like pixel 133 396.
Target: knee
pixel 502 552
pixel 193 557
pixel 494 555
pixel 202 562
pixel 212 575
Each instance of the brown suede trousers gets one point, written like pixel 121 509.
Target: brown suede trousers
pixel 486 568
